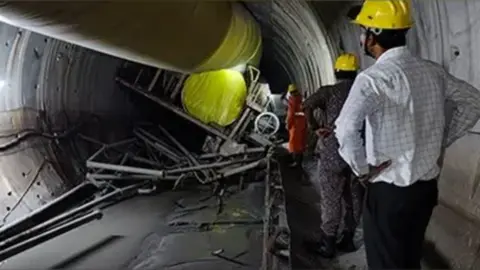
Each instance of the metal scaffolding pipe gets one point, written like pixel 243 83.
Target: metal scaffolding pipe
pixel 242 168
pixel 121 168
pixel 32 242
pixel 63 217
pixel 256 150
pixel 174 109
pixel 207 166
pixel 179 145
pixel 154 139
pixel 38 216
pixel 159 147
pixel 184 150
pixel 154 174
pixel 128 177
pixel 146 161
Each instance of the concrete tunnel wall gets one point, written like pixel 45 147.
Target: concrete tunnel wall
pixel 48 83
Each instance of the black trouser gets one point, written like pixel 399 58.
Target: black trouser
pixel 297 158
pixel 394 223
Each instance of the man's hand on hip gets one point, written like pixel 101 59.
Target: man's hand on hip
pixel 324 132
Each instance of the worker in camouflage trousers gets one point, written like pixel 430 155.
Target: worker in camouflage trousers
pixel 335 181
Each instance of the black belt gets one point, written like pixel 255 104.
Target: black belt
pixel 367 183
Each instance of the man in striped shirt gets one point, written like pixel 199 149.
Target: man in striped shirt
pixel 402 99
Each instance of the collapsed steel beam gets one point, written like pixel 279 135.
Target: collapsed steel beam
pixel 128 177
pixel 153 138
pixel 63 217
pixel 206 166
pixel 239 124
pixel 179 146
pixel 147 136
pixel 127 169
pixel 184 150
pixel 240 169
pixel 41 238
pixel 146 161
pixel 152 174
pixel 47 211
pixel 159 147
pixel 175 174
pixel 112 145
pixel 162 174
pixel 173 109
pixel 256 150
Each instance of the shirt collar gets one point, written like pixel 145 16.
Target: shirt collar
pixel 393 53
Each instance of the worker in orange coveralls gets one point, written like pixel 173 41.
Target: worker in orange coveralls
pixel 296 125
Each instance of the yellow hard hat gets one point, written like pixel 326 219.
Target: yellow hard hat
pixel 385 14
pixel 291 88
pixel 346 62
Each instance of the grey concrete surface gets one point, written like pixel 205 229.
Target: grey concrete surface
pixel 118 236
pixel 303 217
pixel 165 231
pixel 140 234
pixel 189 245
pixel 302 207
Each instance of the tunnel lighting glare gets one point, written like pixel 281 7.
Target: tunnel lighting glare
pixel 2 83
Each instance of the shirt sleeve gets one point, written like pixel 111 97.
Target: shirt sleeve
pixel 466 107
pixel 361 102
pixel 318 102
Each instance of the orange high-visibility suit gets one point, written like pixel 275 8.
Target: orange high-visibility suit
pixel 296 124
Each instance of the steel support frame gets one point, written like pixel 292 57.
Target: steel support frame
pixel 240 125
pixel 213 171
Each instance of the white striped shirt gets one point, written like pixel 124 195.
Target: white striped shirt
pixel 402 99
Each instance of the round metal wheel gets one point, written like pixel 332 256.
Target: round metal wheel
pixel 267 124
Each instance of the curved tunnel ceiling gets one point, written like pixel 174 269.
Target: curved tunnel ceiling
pixel 47 83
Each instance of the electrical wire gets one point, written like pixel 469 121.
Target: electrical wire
pixel 29 133
pixel 16 134
pixel 32 181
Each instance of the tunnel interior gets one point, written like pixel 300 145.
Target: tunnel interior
pixel 53 86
